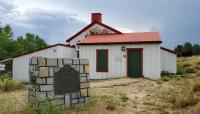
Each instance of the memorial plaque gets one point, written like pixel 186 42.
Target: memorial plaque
pixel 66 80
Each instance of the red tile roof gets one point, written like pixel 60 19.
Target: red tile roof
pixel 88 26
pixel 140 37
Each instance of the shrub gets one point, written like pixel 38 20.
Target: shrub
pixel 198 74
pixel 166 78
pixel 186 100
pixel 111 105
pixel 48 107
pixel 198 63
pixel 123 97
pixel 158 81
pixel 187 65
pixel 11 85
pixel 110 102
pixel 190 70
pixel 163 73
pixel 196 87
pixel 197 67
pixel 5 76
pixel 8 85
pixel 178 78
pixel 180 70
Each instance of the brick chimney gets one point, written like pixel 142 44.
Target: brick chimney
pixel 96 17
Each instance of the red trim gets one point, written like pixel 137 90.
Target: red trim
pixel 110 43
pixel 171 51
pixel 43 49
pixel 106 60
pixel 141 62
pixel 88 26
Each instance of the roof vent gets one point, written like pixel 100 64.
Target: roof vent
pixel 96 17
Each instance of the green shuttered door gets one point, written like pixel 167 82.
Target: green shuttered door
pixel 102 60
pixel 134 63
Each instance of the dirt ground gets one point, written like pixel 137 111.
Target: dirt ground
pixel 144 97
pixel 138 90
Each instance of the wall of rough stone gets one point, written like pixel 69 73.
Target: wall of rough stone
pixel 42 81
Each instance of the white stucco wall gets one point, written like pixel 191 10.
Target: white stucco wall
pixel 168 61
pixel 87 32
pixel 117 61
pixel 21 63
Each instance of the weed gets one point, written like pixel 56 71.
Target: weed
pixel 196 87
pixel 178 78
pixel 187 65
pixel 5 76
pixel 166 78
pixel 110 102
pixel 48 107
pixel 164 73
pixel 11 85
pixel 190 70
pixel 123 97
pixel 198 74
pixel 197 67
pixel 198 63
pixel 159 81
pixel 180 70
pixel 186 100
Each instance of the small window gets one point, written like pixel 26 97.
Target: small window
pixel 102 60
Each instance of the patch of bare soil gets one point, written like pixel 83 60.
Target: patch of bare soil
pixel 144 96
pixel 138 90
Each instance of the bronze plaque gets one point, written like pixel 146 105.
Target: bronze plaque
pixel 66 80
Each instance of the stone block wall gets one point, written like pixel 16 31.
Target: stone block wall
pixel 47 80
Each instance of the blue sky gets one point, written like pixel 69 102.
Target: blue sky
pixel 177 21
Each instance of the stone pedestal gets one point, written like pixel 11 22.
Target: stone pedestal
pixel 45 75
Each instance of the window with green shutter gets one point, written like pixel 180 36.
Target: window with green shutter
pixel 102 60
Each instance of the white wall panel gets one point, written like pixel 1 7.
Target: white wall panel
pixel 117 60
pixel 21 63
pixel 168 61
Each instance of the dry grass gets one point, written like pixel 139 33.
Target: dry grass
pixel 11 102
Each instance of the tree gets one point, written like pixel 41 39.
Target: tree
pixel 179 50
pixel 196 49
pixel 10 47
pixel 187 49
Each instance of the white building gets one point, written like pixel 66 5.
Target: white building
pixel 113 54
pixel 2 67
pixel 20 63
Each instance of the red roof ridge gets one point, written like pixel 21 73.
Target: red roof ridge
pixel 123 33
pixel 88 26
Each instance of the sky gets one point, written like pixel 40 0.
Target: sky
pixel 177 21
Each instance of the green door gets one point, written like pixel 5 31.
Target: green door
pixel 134 62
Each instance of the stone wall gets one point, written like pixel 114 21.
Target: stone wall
pixel 45 79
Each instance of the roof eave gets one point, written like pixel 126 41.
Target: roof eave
pixel 168 50
pixel 43 49
pixel 88 26
pixel 110 43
